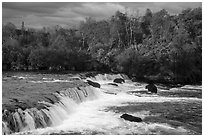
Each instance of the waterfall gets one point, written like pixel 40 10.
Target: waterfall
pixel 52 115
pixel 5 129
pixel 29 121
pixel 90 110
pixel 17 121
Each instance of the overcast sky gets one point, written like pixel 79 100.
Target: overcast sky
pixel 37 15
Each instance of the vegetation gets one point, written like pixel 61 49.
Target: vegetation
pixel 156 46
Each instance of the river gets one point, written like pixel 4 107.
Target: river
pixel 97 111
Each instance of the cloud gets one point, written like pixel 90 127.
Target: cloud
pixel 171 7
pixel 177 7
pixel 39 14
pixel 33 7
pixel 98 10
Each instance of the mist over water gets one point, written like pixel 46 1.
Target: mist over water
pixel 92 110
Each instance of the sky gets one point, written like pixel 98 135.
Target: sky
pixel 70 14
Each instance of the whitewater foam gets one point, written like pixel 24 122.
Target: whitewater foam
pixel 84 110
pixel 92 116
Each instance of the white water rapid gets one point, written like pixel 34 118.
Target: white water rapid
pixel 86 110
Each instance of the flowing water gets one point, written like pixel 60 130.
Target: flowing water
pixel 89 110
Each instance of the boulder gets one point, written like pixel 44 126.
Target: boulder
pixel 94 84
pixel 58 92
pixel 131 118
pixel 119 80
pixel 151 87
pixel 112 84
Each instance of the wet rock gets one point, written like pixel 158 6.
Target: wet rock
pixel 119 80
pixel 78 88
pixel 151 87
pixel 58 92
pixel 74 79
pixel 94 84
pixel 50 100
pixel 40 106
pixel 131 118
pixel 112 84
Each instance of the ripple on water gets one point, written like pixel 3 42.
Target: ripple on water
pixel 162 114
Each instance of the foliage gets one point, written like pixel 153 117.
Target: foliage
pixel 156 45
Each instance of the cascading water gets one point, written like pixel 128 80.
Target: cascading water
pixel 109 77
pixel 89 110
pixel 52 115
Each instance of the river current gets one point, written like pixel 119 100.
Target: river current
pixel 97 111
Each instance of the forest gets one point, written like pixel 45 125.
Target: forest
pixel 159 46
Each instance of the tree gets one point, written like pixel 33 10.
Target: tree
pixel 146 21
pixel 10 54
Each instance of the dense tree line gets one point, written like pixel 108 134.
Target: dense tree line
pixel 156 46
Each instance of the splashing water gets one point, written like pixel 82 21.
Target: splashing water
pixel 85 110
pixel 91 117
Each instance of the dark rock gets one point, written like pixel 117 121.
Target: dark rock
pixel 112 84
pixel 131 118
pixel 50 100
pixel 78 88
pixel 119 80
pixel 40 106
pixel 14 100
pixel 75 79
pixel 94 84
pixel 58 92
pixel 151 87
